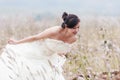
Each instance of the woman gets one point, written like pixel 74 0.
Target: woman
pixel 39 57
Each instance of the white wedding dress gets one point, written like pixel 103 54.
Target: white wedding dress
pixel 37 60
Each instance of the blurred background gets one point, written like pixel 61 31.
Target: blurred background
pixel 95 55
pixel 57 7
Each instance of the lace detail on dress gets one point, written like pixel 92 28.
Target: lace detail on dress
pixel 57 46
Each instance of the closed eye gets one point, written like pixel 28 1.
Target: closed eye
pixel 76 27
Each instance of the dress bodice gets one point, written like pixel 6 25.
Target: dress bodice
pixel 57 46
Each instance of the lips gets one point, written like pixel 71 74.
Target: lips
pixel 74 32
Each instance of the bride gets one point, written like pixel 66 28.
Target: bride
pixel 39 57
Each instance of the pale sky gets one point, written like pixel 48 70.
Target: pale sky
pixel 83 7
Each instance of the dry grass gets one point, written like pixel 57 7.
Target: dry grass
pixel 97 49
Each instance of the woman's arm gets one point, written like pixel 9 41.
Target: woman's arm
pixel 28 39
pixel 45 34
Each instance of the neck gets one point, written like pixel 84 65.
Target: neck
pixel 64 33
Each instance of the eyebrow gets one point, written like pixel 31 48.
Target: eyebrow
pixel 75 27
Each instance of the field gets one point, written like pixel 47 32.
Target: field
pixel 95 55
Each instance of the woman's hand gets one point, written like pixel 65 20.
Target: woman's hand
pixel 12 41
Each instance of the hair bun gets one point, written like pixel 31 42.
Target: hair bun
pixel 64 16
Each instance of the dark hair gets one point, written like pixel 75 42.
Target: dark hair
pixel 70 20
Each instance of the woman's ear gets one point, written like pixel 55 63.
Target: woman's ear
pixel 65 25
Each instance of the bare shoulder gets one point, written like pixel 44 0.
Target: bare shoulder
pixel 53 29
pixel 47 33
